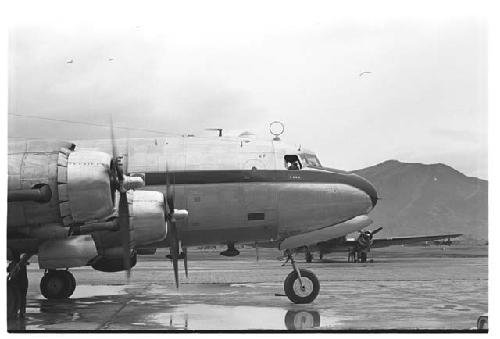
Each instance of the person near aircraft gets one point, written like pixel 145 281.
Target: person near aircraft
pixel 18 278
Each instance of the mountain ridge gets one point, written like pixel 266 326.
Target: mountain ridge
pixel 418 199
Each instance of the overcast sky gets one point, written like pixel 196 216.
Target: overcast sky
pixel 187 66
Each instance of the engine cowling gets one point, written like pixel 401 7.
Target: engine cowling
pixel 147 225
pixel 53 183
pixel 87 186
pixel 103 249
pixel 113 263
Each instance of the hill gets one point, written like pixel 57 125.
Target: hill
pixel 419 199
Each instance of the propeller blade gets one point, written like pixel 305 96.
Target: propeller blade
pixel 174 251
pixel 123 209
pixel 184 250
pixel 377 230
pixel 168 190
pixel 123 220
pixel 113 142
pixel 172 227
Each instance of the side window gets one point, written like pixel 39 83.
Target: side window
pixel 310 160
pixel 292 162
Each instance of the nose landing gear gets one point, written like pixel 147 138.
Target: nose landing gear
pixel 301 286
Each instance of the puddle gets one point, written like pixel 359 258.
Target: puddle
pixel 89 291
pixel 243 285
pixel 218 317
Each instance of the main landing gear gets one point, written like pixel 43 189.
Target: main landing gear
pixel 57 284
pixel 301 286
pixel 309 257
pixel 231 251
pixel 357 256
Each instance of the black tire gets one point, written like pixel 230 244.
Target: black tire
pixel 13 300
pixel 72 281
pixel 56 285
pixel 292 287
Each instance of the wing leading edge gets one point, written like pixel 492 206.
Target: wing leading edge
pixel 385 242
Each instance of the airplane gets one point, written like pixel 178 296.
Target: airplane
pixel 439 242
pixel 93 202
pixel 357 247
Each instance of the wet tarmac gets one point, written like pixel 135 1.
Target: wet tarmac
pixel 441 292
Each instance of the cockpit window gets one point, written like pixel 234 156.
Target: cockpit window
pixel 310 160
pixel 292 162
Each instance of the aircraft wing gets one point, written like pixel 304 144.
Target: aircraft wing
pixel 385 242
pixel 338 230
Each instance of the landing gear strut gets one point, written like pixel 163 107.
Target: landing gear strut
pixel 309 256
pixel 231 251
pixel 301 286
pixel 57 284
pixel 357 256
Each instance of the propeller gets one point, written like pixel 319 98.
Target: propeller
pixel 123 209
pixel 172 226
pixel 365 238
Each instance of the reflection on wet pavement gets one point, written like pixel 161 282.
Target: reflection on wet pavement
pixel 453 299
pixel 151 308
pixel 302 320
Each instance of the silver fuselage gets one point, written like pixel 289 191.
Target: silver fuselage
pixel 240 190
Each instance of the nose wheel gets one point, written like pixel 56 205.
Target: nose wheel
pixel 301 286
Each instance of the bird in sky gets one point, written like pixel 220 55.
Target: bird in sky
pixel 111 59
pixel 366 72
pixel 69 61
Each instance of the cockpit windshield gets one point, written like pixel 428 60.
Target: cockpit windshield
pixel 310 160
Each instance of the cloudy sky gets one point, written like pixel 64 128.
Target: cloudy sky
pixel 186 66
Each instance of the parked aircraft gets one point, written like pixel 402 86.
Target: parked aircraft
pixel 358 247
pixel 93 202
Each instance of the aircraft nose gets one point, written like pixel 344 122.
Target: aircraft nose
pixel 366 187
pixel 359 182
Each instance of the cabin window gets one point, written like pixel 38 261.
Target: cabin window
pixel 292 162
pixel 310 160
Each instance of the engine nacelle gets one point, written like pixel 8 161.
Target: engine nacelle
pixel 63 253
pixel 103 249
pixel 53 183
pixel 113 263
pixel 148 217
pixel 147 225
pixel 87 185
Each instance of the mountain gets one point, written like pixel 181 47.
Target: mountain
pixel 418 199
